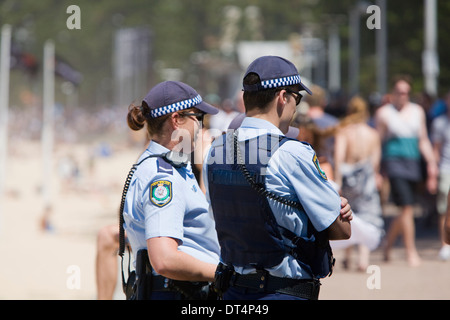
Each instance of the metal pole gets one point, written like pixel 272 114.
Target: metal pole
pixel 5 55
pixel 381 48
pixel 430 60
pixel 354 51
pixel 334 59
pixel 48 121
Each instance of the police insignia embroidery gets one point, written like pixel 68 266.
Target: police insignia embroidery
pixel 319 169
pixel 161 192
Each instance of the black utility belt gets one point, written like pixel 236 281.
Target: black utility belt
pixel 189 290
pixel 263 282
pixel 160 283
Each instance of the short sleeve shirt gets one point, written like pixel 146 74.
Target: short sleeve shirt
pixel 163 201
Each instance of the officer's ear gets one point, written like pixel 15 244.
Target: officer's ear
pixel 176 120
pixel 282 99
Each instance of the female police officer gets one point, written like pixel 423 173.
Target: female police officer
pixel 265 206
pixel 165 211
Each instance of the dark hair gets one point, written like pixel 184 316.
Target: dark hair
pixel 260 99
pixel 138 116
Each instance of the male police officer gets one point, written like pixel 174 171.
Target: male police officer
pixel 268 194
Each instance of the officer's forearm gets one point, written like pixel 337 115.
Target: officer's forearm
pixel 340 229
pixel 169 262
pixel 183 267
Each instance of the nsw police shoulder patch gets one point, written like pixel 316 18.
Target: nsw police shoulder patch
pixel 319 169
pixel 161 192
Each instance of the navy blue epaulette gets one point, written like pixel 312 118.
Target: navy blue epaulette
pixel 284 139
pixel 306 143
pixel 294 139
pixel 163 166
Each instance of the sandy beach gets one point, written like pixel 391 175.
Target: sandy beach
pixel 59 263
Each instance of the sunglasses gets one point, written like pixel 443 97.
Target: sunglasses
pixel 199 116
pixel 298 97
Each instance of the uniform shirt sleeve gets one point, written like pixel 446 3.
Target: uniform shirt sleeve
pixel 164 207
pixel 294 172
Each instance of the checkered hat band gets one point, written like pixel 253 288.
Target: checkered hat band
pixel 181 105
pixel 286 81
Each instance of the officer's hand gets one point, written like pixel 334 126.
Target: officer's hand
pixel 346 210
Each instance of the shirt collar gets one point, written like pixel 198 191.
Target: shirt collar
pixel 156 148
pixel 253 127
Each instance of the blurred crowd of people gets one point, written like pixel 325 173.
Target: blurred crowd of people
pixel 391 151
pixel 71 124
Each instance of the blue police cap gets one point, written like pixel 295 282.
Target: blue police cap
pixel 171 96
pixel 274 72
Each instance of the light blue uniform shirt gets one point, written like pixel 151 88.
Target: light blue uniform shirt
pixel 293 173
pixel 163 201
